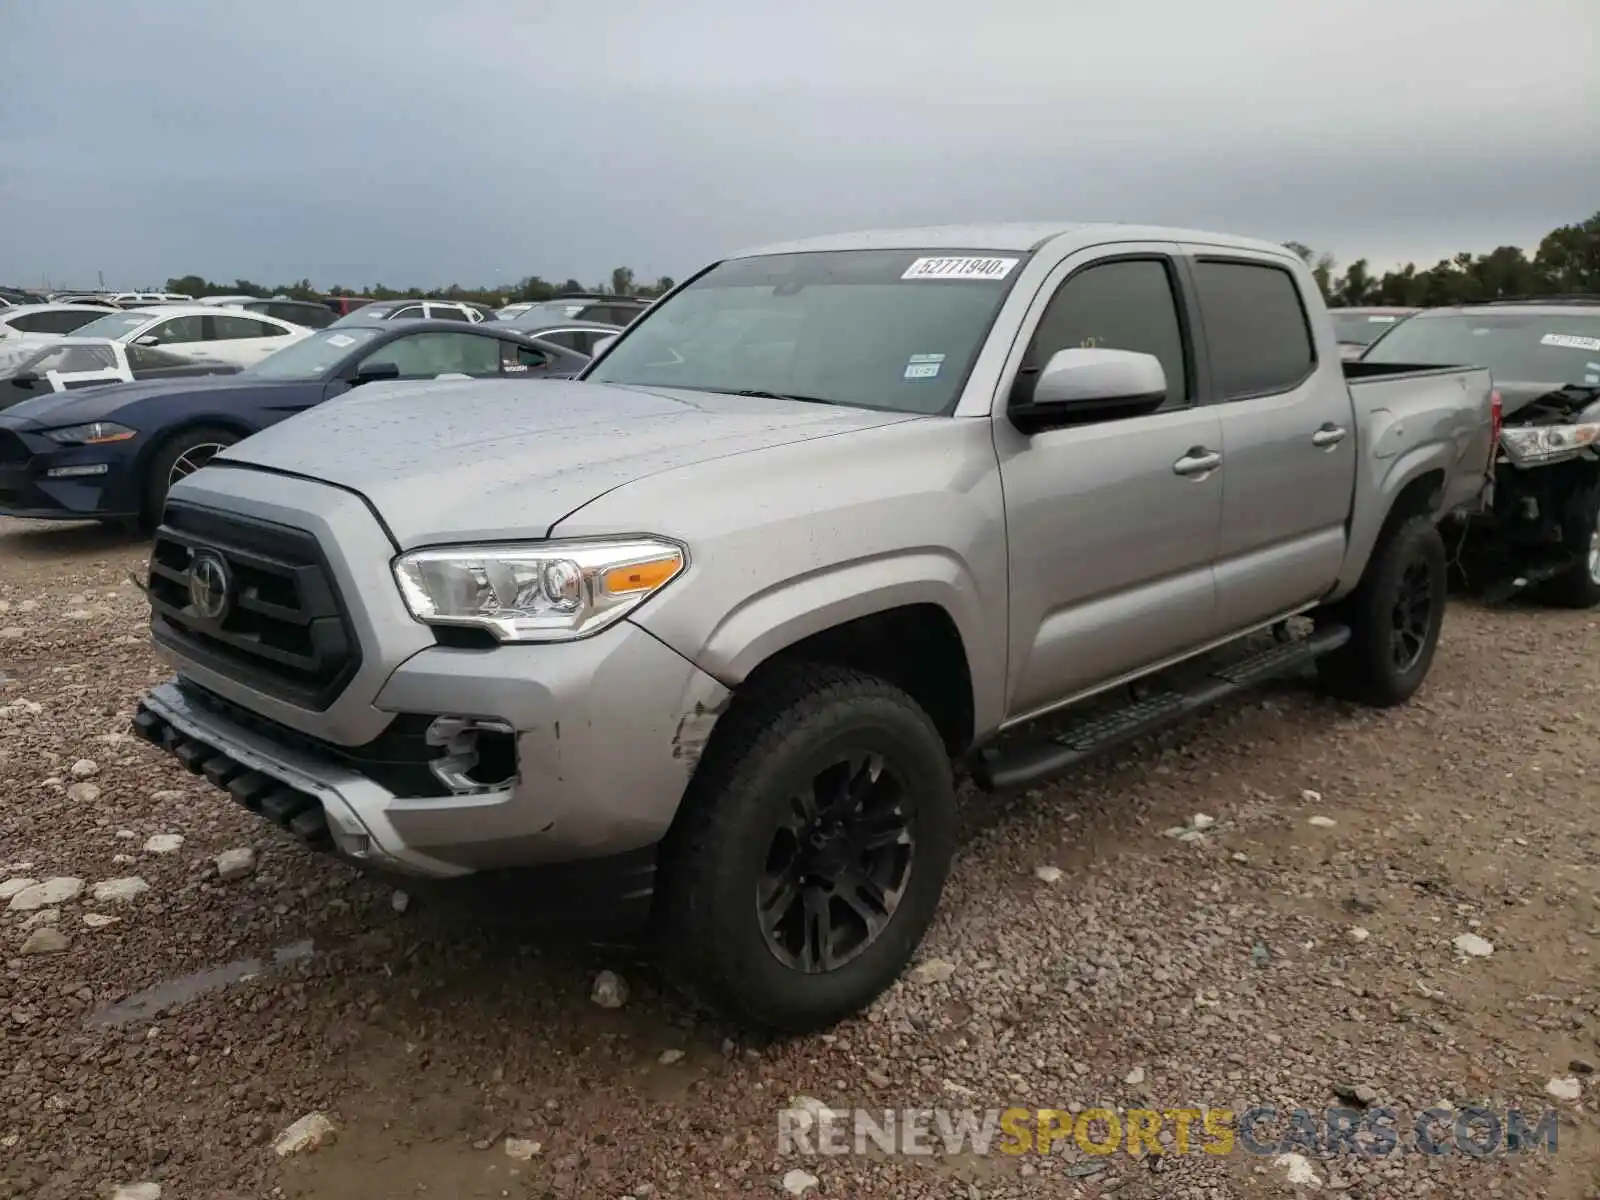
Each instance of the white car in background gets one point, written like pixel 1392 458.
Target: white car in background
pixel 45 320
pixel 199 332
pixel 133 299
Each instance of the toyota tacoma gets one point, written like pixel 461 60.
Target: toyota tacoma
pixel 835 524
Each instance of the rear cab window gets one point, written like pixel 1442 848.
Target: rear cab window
pixel 1258 334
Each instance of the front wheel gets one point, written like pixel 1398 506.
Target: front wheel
pixel 1395 616
pixel 1579 587
pixel 184 453
pixel 811 850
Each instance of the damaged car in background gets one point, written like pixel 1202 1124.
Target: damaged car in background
pixel 1538 529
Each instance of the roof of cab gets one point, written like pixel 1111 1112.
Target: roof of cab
pixel 1015 236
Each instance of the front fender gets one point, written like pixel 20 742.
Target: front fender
pixel 792 610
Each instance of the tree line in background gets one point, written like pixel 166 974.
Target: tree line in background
pixel 1566 262
pixel 622 283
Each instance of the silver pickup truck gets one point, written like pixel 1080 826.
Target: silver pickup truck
pixel 833 525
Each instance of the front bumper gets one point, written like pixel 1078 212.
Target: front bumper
pixel 606 730
pixel 607 734
pixel 28 488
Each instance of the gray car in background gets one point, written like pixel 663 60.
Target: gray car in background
pixel 835 522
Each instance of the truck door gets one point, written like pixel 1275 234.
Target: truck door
pixel 1111 526
pixel 1288 435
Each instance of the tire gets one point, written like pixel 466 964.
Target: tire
pixel 1383 664
pixel 167 460
pixel 1580 586
pixel 737 838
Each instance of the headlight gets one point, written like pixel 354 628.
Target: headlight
pixel 536 592
pixel 1535 443
pixel 95 433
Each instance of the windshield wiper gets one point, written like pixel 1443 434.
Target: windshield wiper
pixel 759 394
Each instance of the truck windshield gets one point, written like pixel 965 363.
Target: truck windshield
pixel 1362 328
pixel 1516 347
pixel 886 329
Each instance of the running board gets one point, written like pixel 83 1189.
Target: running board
pixel 1011 768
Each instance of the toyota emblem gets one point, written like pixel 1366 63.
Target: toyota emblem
pixel 210 585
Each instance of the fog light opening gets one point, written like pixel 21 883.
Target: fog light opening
pixel 479 755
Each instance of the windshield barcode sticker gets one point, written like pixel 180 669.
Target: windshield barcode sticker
pixel 341 339
pixel 923 366
pixel 959 268
pixel 1571 341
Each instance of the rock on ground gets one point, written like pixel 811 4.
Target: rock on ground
pixel 521 1149
pixel 46 940
pixel 798 1182
pixel 118 891
pixel 931 970
pixel 235 864
pixel 308 1133
pixel 47 894
pixel 610 990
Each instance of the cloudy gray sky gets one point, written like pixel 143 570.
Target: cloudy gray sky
pixel 425 141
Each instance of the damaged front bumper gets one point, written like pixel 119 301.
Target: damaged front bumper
pixel 601 737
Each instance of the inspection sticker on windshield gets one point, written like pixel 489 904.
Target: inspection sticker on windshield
pixel 923 366
pixel 1570 340
pixel 341 339
pixel 959 268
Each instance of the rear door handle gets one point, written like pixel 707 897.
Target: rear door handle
pixel 1199 461
pixel 1328 436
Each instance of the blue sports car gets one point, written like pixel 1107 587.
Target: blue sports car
pixel 110 453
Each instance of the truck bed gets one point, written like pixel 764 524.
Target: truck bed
pixel 1400 407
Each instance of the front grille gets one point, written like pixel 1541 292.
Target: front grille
pixel 397 758
pixel 283 631
pixel 12 448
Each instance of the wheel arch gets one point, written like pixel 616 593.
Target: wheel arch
pixel 1414 485
pixel 159 442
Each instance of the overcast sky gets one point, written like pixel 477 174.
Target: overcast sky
pixel 436 141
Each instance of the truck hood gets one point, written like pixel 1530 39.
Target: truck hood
pixel 472 460
pixel 103 402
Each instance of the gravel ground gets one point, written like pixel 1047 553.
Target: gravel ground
pixel 1230 969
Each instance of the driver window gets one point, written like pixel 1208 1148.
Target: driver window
pixel 1127 305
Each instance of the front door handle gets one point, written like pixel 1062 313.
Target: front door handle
pixel 1199 461
pixel 1329 436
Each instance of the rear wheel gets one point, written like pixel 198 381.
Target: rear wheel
pixel 811 850
pixel 184 453
pixel 1580 586
pixel 1395 616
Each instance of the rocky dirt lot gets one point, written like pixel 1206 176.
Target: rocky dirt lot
pixel 159 1036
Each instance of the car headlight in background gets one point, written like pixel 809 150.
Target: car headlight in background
pixel 1538 443
pixel 95 433
pixel 536 591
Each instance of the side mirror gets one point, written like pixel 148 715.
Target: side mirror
pixel 149 339
pixel 372 372
pixel 1091 385
pixel 602 346
pixel 24 379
